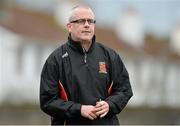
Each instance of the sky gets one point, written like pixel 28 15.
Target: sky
pixel 159 16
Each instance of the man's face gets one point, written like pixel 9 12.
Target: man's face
pixel 82 25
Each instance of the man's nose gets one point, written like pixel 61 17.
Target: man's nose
pixel 86 23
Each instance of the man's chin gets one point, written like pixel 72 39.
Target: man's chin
pixel 88 39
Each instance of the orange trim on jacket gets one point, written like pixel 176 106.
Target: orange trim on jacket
pixel 63 94
pixel 110 89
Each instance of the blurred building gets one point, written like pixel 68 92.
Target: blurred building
pixel 175 38
pixel 28 37
pixel 129 27
pixel 60 9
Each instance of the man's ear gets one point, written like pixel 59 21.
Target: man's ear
pixel 68 27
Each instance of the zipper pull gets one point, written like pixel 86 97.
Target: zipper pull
pixel 85 57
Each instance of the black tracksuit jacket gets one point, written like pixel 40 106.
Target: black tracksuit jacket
pixel 72 77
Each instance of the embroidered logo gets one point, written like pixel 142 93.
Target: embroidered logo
pixel 102 67
pixel 65 55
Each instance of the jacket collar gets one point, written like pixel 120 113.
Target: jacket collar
pixel 76 45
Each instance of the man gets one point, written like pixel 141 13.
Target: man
pixel 84 82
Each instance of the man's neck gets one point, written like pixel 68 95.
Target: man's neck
pixel 86 45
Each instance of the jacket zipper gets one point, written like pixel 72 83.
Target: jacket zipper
pixel 85 55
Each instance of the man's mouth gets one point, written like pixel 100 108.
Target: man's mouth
pixel 86 32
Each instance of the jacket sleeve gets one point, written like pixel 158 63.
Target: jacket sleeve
pixel 50 101
pixel 121 89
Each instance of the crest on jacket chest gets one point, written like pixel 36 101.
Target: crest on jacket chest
pixel 102 67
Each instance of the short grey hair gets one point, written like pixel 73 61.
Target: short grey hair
pixel 71 14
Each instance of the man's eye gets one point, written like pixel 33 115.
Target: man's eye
pixel 90 21
pixel 82 21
